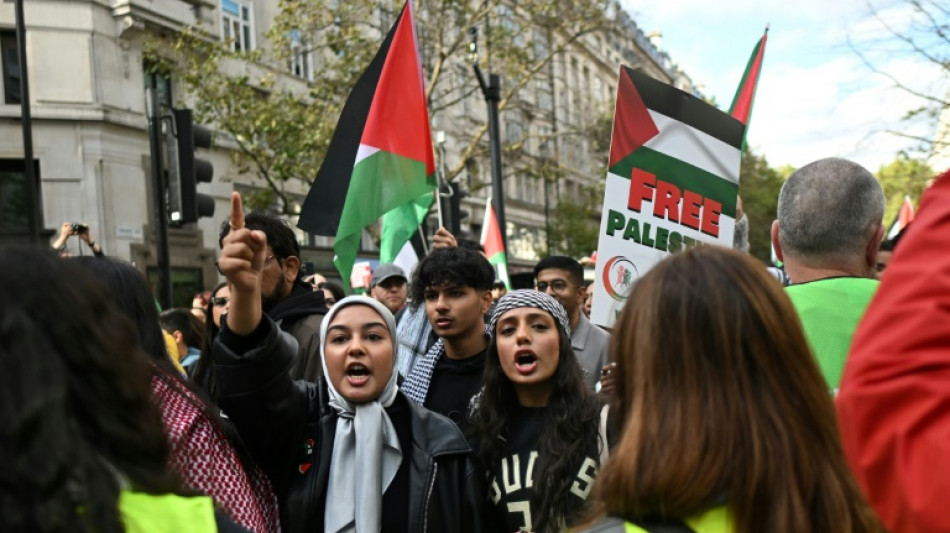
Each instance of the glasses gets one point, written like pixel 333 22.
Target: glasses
pixel 557 285
pixel 220 301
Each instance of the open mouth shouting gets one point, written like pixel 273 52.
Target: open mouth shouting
pixel 526 362
pixel 357 374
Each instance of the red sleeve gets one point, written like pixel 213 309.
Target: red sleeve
pixel 894 401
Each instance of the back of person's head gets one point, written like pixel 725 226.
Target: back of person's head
pixel 469 244
pixel 181 319
pixel 562 262
pixel 335 289
pixel 77 416
pixel 131 293
pixel 721 399
pixel 828 210
pixel 280 236
pixel 451 267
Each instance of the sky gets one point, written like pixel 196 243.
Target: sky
pixel 816 97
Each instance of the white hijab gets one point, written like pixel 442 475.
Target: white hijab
pixel 366 452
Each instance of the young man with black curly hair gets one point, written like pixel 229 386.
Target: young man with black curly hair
pixel 455 286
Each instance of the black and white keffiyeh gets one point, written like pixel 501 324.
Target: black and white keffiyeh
pixel 530 298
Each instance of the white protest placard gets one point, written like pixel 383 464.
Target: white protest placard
pixel 672 183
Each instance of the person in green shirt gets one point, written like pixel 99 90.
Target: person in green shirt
pixel 727 425
pixel 828 233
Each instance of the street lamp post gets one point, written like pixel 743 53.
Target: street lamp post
pixel 29 171
pixel 492 93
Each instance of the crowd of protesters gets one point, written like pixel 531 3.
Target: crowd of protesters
pixel 727 397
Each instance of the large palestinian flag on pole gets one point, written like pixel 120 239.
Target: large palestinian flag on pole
pixel 672 182
pixel 380 157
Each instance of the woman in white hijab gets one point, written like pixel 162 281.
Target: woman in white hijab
pixel 349 453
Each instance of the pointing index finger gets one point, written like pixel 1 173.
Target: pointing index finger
pixel 237 211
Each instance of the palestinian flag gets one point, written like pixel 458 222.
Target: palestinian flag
pixel 676 137
pixel 904 217
pixel 494 245
pixel 741 107
pixel 380 157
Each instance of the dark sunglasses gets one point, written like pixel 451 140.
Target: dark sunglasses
pixel 220 301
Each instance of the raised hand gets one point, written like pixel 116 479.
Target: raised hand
pixel 443 239
pixel 241 262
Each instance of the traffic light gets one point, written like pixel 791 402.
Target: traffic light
pixel 182 137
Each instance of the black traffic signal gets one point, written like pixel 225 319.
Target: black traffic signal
pixel 182 137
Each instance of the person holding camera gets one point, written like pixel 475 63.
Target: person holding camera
pixel 76 228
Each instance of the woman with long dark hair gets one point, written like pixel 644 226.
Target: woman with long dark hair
pixel 538 428
pixel 206 451
pixel 727 422
pixel 81 440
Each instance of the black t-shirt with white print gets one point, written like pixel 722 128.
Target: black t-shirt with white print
pixel 512 484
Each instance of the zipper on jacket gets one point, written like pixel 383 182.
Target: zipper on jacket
pixel 425 508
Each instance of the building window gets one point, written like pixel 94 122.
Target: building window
pixel 301 57
pixel 237 24
pixel 11 67
pixel 16 206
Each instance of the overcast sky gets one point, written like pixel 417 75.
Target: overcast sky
pixel 815 97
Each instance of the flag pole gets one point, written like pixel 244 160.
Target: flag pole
pixel 422 237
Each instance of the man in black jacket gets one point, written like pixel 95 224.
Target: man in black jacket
pixel 285 297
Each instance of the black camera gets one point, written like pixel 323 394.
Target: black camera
pixel 79 228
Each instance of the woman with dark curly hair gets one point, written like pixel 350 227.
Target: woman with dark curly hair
pixel 81 440
pixel 728 426
pixel 537 426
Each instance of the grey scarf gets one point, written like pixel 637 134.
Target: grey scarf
pixel 366 453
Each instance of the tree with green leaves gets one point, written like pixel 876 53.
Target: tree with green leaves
pixel 759 185
pixel 280 126
pixel 904 176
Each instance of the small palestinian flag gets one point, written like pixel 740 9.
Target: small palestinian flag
pixel 741 107
pixel 678 138
pixel 380 157
pixel 494 245
pixel 904 217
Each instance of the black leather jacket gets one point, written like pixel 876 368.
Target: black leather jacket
pixel 289 428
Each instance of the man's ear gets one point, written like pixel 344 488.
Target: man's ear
pixel 775 244
pixel 292 265
pixel 872 247
pixel 581 294
pixel 486 301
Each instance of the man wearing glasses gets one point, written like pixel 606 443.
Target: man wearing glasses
pixel 563 278
pixel 285 297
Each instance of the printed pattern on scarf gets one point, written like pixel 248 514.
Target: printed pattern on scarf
pixel 206 462
pixel 416 386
